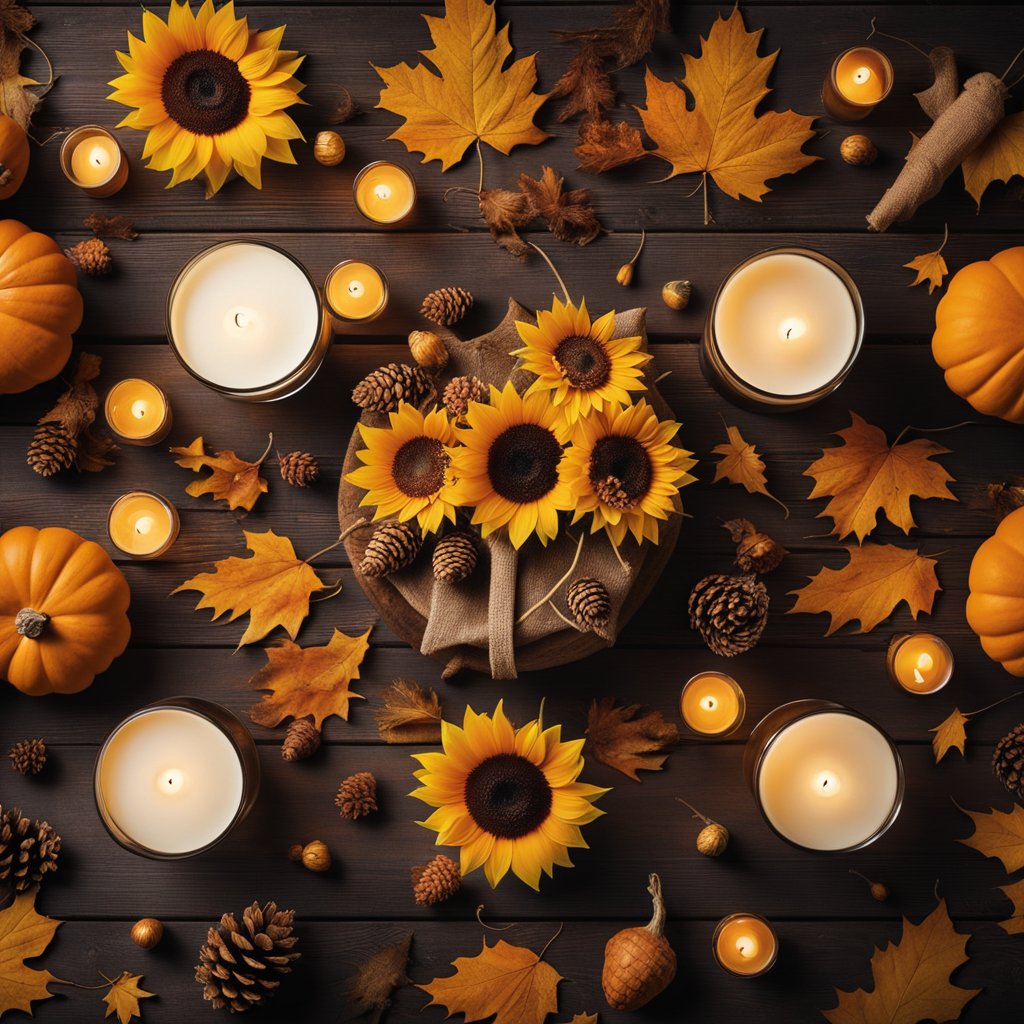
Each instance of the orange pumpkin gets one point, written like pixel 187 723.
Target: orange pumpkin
pixel 979 334
pixel 13 156
pixel 40 308
pixel 995 608
pixel 62 610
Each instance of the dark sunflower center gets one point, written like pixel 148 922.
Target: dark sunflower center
pixel 620 470
pixel 205 93
pixel 419 467
pixel 523 462
pixel 584 362
pixel 508 796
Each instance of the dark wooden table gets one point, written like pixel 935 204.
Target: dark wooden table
pixel 827 922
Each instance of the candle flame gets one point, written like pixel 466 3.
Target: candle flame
pixel 709 703
pixel 143 525
pixel 862 75
pixel 382 192
pixel 792 328
pixel 171 781
pixel 241 320
pixel 139 409
pixel 825 784
pixel 356 289
pixel 747 947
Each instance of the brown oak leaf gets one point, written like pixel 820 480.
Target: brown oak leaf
pixel 123 997
pixel 231 479
pixel 741 464
pixel 586 86
pixel 998 834
pixel 411 714
pixel 111 227
pixel 930 266
pixel 999 158
pixel 870 586
pixel 911 977
pixel 369 990
pixel 508 983
pixel 24 935
pixel 604 145
pixel 626 741
pixel 865 473
pixel 309 680
pixel 1014 925
pixel 504 211
pixel 950 734
pixel 569 215
pixel 273 587
pixel 630 35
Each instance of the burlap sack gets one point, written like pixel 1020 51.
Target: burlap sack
pixel 473 624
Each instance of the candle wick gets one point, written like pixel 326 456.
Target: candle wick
pixel 789 331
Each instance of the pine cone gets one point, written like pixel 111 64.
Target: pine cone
pixel 28 756
pixel 590 606
pixel 240 963
pixel 729 612
pixel 437 881
pixel 393 546
pixel 300 469
pixel 302 740
pixel 460 391
pixel 357 796
pixel 382 390
pixel 455 557
pixel 91 257
pixel 28 850
pixel 446 306
pixel 52 449
pixel 1008 761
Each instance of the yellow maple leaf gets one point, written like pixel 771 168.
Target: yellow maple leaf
pixel 876 579
pixel 723 135
pixel 998 834
pixel 741 464
pixel 474 97
pixel 24 934
pixel 509 983
pixel 930 266
pixel 998 158
pixel 865 473
pixel 1015 893
pixel 950 733
pixel 274 586
pixel 231 479
pixel 911 977
pixel 309 680
pixel 124 995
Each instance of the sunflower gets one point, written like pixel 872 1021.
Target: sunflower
pixel 406 467
pixel 624 471
pixel 508 797
pixel 508 469
pixel 579 362
pixel 210 93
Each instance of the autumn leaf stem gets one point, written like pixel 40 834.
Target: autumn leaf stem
pixel 875 31
pixel 480 157
pixel 491 927
pixel 547 945
pixel 933 430
pixel 266 452
pixel 640 247
pixel 341 537
pixel 335 591
pixel 989 707
pixel 547 597
pixel 696 813
pixel 558 276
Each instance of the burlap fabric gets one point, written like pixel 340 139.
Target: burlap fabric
pixel 473 624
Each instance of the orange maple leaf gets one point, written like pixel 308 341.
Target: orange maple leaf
pixel 623 740
pixel 124 995
pixel 231 479
pixel 1014 925
pixel 24 935
pixel 950 733
pixel 998 834
pixel 930 266
pixel 741 464
pixel 999 158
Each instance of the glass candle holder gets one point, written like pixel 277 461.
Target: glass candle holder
pixel 824 777
pixel 356 293
pixel 919 663
pixel 91 158
pixel 384 193
pixel 712 704
pixel 859 79
pixel 174 778
pixel 745 945
pixel 784 330
pixel 138 412
pixel 142 524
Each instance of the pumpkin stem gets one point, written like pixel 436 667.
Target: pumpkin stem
pixel 30 623
pixel 657 923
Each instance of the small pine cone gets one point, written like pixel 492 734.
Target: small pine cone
pixel 446 306
pixel 755 551
pixel 590 605
pixel 28 850
pixel 382 390
pixel 729 612
pixel 357 796
pixel 436 882
pixel 302 740
pixel 91 257
pixel 1008 761
pixel 460 391
pixel 52 449
pixel 455 557
pixel 28 756
pixel 300 469
pixel 393 546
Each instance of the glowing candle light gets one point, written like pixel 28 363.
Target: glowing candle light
pixel 857 82
pixel 91 159
pixel 142 524
pixel 745 945
pixel 138 412
pixel 920 663
pixel 384 192
pixel 356 292
pixel 712 704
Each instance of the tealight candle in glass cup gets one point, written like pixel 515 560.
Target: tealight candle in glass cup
pixel 919 663
pixel 712 704
pixel 91 158
pixel 384 192
pixel 142 524
pixel 138 412
pixel 355 292
pixel 857 82
pixel 745 945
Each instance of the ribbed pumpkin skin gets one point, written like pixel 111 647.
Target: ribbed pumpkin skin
pixel 979 335
pixel 14 154
pixel 995 607
pixel 40 308
pixel 56 572
pixel 637 967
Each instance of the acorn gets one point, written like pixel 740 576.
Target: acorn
pixel 713 838
pixel 295 852
pixel 879 892
pixel 329 148
pixel 625 274
pixel 147 932
pixel 676 294
pixel 316 856
pixel 428 350
pixel 858 151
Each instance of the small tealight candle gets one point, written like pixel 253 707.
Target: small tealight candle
pixel 384 192
pixel 745 945
pixel 91 159
pixel 712 704
pixel 919 663
pixel 857 82
pixel 356 292
pixel 138 412
pixel 142 524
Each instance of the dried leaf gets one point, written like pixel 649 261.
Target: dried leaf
pixel 111 227
pixel 877 578
pixel 473 97
pixel 950 733
pixel 411 714
pixel 231 479
pixel 273 587
pixel 756 551
pixel 911 977
pixel 376 978
pixel 998 834
pixel 76 408
pixel 1000 499
pixel 95 451
pixel 865 473
pixel 723 135
pixel 630 35
pixel 504 211
pixel 345 109
pixel 24 935
pixel 586 85
pixel 309 680
pixel 626 741
pixel 1015 893
pixel 741 464
pixel 123 997
pixel 930 267
pixel 604 145
pixel 584 1018
pixel 16 100
pixel 509 983
pixel 569 215
pixel 999 158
